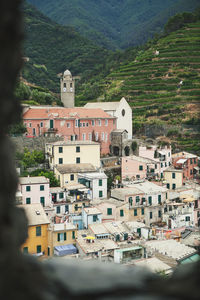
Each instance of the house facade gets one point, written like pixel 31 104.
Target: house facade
pixel 173 178
pixel 72 123
pixel 96 182
pixel 186 162
pixel 73 152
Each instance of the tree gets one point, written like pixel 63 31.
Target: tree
pixel 127 150
pixel 54 182
pixel 134 146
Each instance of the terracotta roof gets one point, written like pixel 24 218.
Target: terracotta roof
pixel 41 112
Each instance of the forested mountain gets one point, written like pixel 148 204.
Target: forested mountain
pixel 52 48
pixel 114 23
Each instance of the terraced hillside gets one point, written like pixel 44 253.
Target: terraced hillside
pixel 151 82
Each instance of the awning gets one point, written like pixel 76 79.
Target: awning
pixel 190 259
pixel 65 250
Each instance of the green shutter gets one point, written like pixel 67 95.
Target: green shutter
pixel 38 231
pixel 121 212
pixel 73 234
pixel 39 248
pixel 100 182
pixel 100 194
pixel 135 212
pixel 42 201
pixel 65 236
pixel 28 200
pixel 109 211
pixel 142 211
pixel 58 237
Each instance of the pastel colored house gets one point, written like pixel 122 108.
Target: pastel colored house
pixel 37 241
pixel 136 167
pixel 72 123
pixel 113 210
pixel 67 174
pixel 91 215
pixel 58 198
pixel 173 178
pixel 61 235
pixel 35 190
pixel 96 182
pixel 187 162
pixel 73 152
pixel 121 110
pixel 161 154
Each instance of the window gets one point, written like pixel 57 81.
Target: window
pixel 30 125
pixel 168 185
pixel 102 136
pixel 100 194
pixel 106 137
pixel 72 177
pixel 42 201
pixel 41 187
pixel 48 251
pixel 100 182
pixel 83 124
pixel 73 235
pixel 150 215
pixel 187 219
pixel 38 231
pixel 28 188
pixel 195 161
pixel 123 112
pixel 61 195
pixel 95 218
pixel 78 149
pixel 78 160
pixel 106 122
pixel 141 168
pixel 191 161
pixel 34 132
pixel 84 136
pixel 137 198
pixel 169 154
pixel 173 175
pixel 51 124
pixel 96 136
pixel 76 123
pixel 161 165
pixel 135 212
pixel 155 166
pixel 25 250
pixel 41 124
pixel 28 200
pixel 58 209
pixel 165 164
pixel 173 186
pixel 191 172
pixel 60 161
pixel 68 125
pixel 39 249
pixel 61 237
pixel 161 175
pixel 150 200
pixel 87 124
pixel 166 195
pixel 142 211
pixel 99 122
pixel 64 85
pixel 60 149
pixel 90 136
pixel 76 207
pixel 66 208
pixel 159 214
pixel 109 211
pixel 159 199
pixel 93 122
pixel 130 200
pixel 121 212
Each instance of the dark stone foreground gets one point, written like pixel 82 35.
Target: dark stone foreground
pixel 23 277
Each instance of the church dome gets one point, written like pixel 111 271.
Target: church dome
pixel 67 73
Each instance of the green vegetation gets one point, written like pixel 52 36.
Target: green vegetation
pixel 48 174
pixel 112 23
pixel 30 159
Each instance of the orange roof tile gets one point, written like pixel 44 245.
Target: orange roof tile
pixel 39 112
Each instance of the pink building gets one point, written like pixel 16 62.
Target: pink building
pixel 73 123
pixel 35 190
pixel 135 167
pixel 197 212
pixel 186 162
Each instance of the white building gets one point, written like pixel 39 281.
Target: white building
pixel 96 182
pixel 121 110
pixel 91 215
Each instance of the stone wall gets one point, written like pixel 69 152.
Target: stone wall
pixel 24 277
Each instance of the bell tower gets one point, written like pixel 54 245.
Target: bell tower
pixel 67 89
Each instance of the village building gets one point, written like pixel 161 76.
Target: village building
pixel 96 182
pixel 120 110
pixel 73 124
pixel 67 89
pixel 60 236
pixel 37 241
pixel 158 153
pixel 73 152
pixel 186 162
pixel 129 254
pixel 173 178
pixel 91 215
pixel 136 167
pixel 35 190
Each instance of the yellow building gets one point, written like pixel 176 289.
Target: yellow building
pixel 68 174
pixel 173 178
pixel 60 235
pixel 37 241
pixel 73 152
